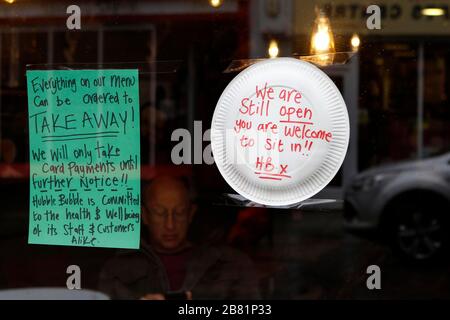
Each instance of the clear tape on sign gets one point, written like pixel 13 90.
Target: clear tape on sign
pixel 320 60
pixel 236 200
pixel 144 67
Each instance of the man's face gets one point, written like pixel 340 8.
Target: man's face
pixel 167 214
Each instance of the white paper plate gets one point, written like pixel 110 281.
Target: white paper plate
pixel 312 123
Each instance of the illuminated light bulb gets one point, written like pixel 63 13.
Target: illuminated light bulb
pixel 215 3
pixel 355 42
pixel 10 1
pixel 432 12
pixel 273 49
pixel 322 39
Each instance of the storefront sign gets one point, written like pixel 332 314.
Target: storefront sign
pixel 84 158
pixel 397 17
pixel 280 131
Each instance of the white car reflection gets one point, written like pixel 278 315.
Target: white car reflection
pixel 406 205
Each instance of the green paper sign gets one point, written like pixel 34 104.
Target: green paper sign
pixel 84 158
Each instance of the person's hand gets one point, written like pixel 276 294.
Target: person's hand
pixel 153 296
pixel 160 296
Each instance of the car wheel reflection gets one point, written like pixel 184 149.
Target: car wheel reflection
pixel 419 236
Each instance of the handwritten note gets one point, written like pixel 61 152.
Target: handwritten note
pixel 84 158
pixel 278 128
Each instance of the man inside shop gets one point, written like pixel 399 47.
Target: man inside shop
pixel 168 265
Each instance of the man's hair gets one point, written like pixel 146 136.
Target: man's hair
pixel 185 181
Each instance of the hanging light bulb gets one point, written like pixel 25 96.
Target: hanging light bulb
pixel 355 42
pixel 215 3
pixel 432 12
pixel 10 1
pixel 273 49
pixel 322 39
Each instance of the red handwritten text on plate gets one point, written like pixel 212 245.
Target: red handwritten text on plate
pixel 285 120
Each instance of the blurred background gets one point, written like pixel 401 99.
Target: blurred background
pixel 391 195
